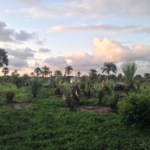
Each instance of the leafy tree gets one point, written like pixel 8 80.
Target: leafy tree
pixel 109 66
pixel 32 73
pixel 37 71
pixel 93 73
pixel 3 58
pixel 129 70
pixel 25 76
pixel 45 70
pixel 119 76
pixel 78 74
pixel 68 70
pixel 138 76
pixel 5 71
pixel 147 75
pixel 57 72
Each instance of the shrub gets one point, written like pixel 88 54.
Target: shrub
pixel 135 111
pixel 9 96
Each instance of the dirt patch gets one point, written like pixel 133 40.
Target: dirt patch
pixel 18 106
pixel 93 109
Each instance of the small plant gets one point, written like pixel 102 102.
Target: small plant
pixel 135 111
pixel 9 96
pixel 113 104
pixel 101 94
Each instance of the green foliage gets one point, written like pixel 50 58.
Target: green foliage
pixel 66 89
pixel 35 84
pixel 18 81
pixel 9 96
pixel 135 111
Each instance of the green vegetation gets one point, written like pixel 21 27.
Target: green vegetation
pixel 36 117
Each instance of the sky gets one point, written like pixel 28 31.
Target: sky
pixel 81 33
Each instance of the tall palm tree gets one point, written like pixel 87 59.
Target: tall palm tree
pixel 78 74
pixel 57 72
pixel 5 71
pixel 45 70
pixel 37 71
pixel 109 66
pixel 32 73
pixel 68 70
pixel 129 69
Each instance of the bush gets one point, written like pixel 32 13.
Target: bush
pixel 135 111
pixel 9 96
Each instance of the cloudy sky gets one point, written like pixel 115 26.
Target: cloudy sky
pixel 80 33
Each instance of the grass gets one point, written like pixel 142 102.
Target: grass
pixel 47 127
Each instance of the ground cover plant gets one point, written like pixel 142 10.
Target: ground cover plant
pixel 47 126
pixel 96 113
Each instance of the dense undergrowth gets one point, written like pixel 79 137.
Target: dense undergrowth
pixel 48 127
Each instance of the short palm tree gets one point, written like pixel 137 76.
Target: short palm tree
pixel 78 74
pixel 37 71
pixel 57 72
pixel 109 66
pixel 68 70
pixel 129 70
pixel 5 71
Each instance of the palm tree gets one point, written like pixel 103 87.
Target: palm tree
pixel 32 73
pixel 78 74
pixel 37 71
pixel 129 70
pixel 25 76
pixel 57 72
pixel 68 69
pixel 109 66
pixel 45 70
pixel 5 71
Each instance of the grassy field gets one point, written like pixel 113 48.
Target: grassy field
pixel 48 127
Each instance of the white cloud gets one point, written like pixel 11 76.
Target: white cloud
pixel 102 28
pixel 44 50
pixel 91 8
pixel 29 2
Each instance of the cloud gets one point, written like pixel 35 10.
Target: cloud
pixel 10 35
pixel 90 9
pixel 40 42
pixel 21 53
pixel 25 36
pixel 6 34
pixel 29 2
pixel 18 63
pixel 58 61
pixel 102 28
pixel 44 50
pixel 107 51
pixel 37 64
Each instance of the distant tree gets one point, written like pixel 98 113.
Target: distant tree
pixel 112 76
pixel 57 72
pixel 68 70
pixel 32 74
pixel 5 71
pixel 50 73
pixel 109 66
pixel 93 73
pixel 45 70
pixel 147 75
pixel 25 76
pixel 138 76
pixel 37 71
pixel 119 76
pixel 3 58
pixel 78 74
